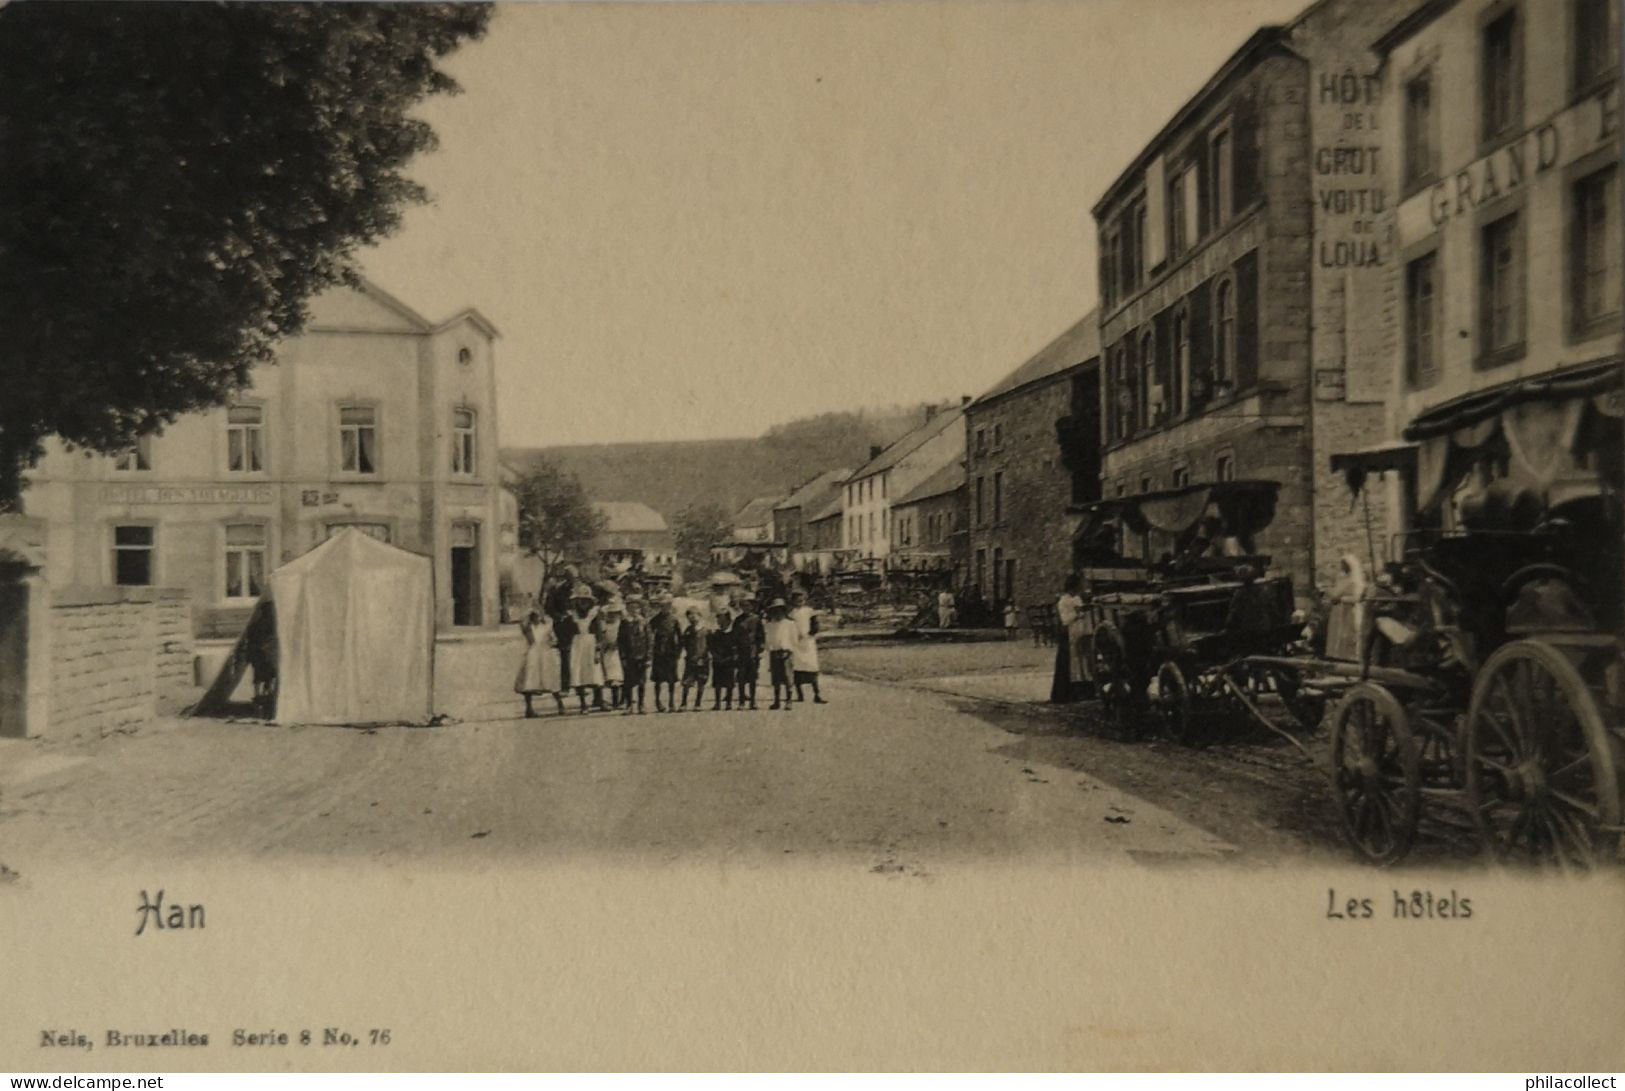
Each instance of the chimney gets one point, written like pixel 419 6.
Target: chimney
pixel 874 451
pixel 964 399
pixel 930 412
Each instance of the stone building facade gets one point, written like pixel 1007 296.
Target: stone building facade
pixel 1246 308
pixel 373 417
pixel 1020 481
pixel 1504 121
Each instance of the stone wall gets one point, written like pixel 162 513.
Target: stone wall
pixel 118 657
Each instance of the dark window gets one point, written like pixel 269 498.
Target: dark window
pixel 1597 242
pixel 998 435
pixel 1181 371
pixel 998 497
pixel 1596 42
pixel 1421 151
pixel 1502 290
pixel 1222 185
pixel 1421 321
pixel 132 556
pixel 981 498
pixel 1225 468
pixel 1147 379
pixel 1502 76
pixel 1182 477
pixel 1109 262
pixel 981 441
pixel 1224 338
pixel 1140 221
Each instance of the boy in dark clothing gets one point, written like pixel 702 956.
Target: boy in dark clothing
pixel 749 635
pixel 722 642
pixel 635 644
pixel 665 648
pixel 696 660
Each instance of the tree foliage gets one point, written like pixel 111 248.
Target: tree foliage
pixel 177 180
pixel 557 522
pixel 695 530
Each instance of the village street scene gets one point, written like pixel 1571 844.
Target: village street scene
pixel 812 450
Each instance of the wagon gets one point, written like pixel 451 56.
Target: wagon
pixel 1165 631
pixel 1486 684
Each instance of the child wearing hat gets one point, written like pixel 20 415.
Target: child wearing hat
pixel 749 636
pixel 665 648
pixel 781 648
pixel 696 660
pixel 577 633
pixel 722 642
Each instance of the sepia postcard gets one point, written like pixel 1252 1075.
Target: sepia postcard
pixel 936 535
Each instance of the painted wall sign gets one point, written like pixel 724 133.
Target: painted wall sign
pixel 1551 144
pixel 187 494
pixel 1350 191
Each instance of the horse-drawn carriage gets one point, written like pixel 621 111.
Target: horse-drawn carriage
pixel 1487 684
pixel 1166 630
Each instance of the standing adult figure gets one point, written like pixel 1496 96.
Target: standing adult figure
pixel 1072 637
pixel 805 660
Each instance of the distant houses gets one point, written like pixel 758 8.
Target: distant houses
pixel 635 538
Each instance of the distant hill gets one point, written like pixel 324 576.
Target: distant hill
pixel 670 476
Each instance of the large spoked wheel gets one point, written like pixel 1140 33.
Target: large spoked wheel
pixel 1172 703
pixel 1541 779
pixel 1120 697
pixel 1376 776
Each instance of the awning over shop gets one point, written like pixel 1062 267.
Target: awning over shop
pixel 1355 465
pixel 1243 508
pixel 1523 448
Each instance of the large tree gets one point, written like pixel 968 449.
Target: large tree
pixel 557 521
pixel 177 180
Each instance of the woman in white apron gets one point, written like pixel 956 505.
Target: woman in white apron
pixel 540 671
pixel 609 650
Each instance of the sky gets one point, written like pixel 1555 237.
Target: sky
pixel 696 220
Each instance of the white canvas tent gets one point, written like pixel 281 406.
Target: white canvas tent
pixel 355 634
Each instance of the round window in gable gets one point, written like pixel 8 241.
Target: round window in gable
pixel 465 356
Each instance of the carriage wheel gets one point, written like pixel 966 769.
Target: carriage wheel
pixel 1375 773
pixel 1114 682
pixel 1540 773
pixel 1172 704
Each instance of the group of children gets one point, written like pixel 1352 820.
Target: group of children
pixel 592 647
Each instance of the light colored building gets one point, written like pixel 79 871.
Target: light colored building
pixel 890 473
pixel 754 521
pixel 374 417
pixel 634 536
pixel 793 514
pixel 1504 127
